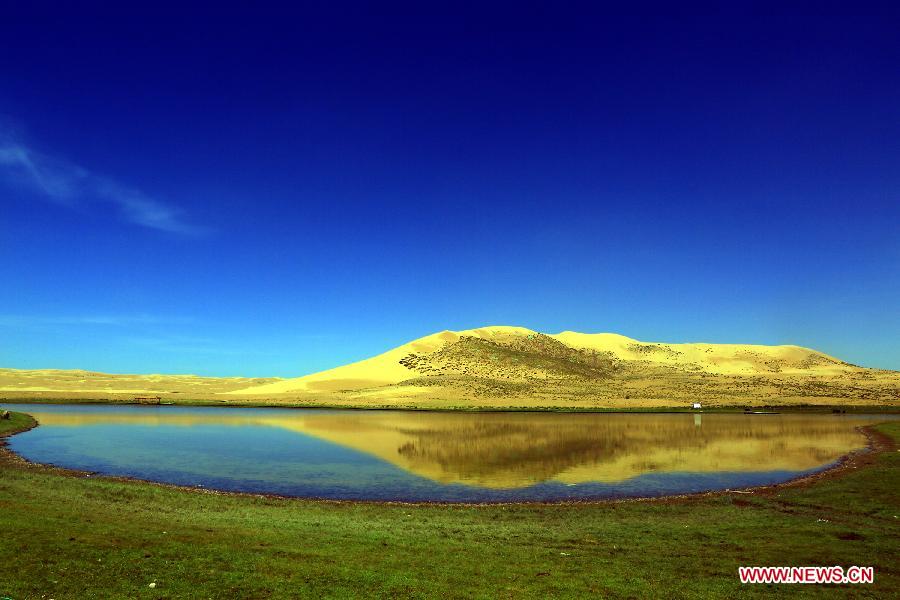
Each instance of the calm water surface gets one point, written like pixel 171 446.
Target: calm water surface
pixel 418 456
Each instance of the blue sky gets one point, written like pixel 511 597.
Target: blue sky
pixel 228 195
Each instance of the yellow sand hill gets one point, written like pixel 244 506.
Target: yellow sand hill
pixel 384 369
pixel 390 368
pixel 515 367
pixel 77 383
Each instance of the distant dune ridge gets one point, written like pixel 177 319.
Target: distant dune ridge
pixel 504 366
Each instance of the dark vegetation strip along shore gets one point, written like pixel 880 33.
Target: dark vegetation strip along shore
pixel 66 536
pixel 737 408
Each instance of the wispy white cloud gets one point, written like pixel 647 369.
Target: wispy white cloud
pixel 65 183
pixel 99 320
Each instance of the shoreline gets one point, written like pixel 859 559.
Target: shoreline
pixel 662 409
pixel 877 443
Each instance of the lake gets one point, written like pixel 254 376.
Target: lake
pixel 434 456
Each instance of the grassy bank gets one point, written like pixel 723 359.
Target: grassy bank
pixel 67 536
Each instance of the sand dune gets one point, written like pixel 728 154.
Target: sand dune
pixel 515 367
pixel 731 359
pixel 735 359
pixel 77 381
pixel 384 369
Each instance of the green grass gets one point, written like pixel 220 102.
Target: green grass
pixel 16 422
pixel 78 537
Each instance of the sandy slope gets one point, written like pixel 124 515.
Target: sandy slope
pixel 730 359
pixel 733 359
pixel 77 381
pixel 515 367
pixel 384 369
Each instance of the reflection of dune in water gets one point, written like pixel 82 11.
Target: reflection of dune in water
pixel 520 450
pixel 517 450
